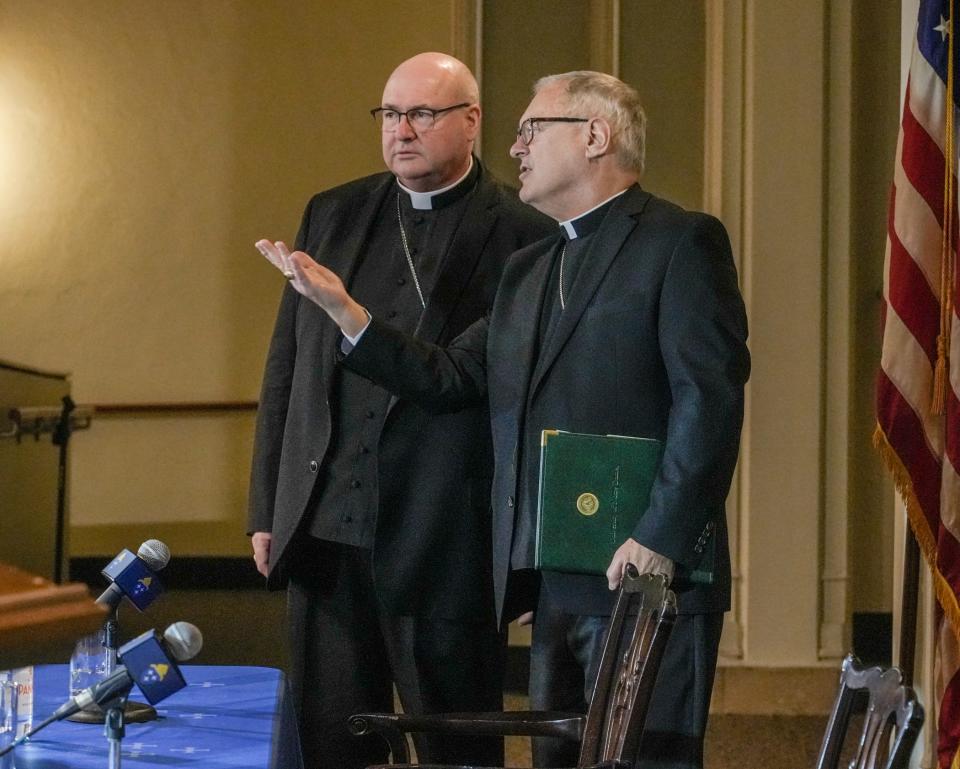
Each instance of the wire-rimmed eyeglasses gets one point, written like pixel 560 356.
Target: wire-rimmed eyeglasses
pixel 419 118
pixel 528 127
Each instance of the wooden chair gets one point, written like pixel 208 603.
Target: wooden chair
pixel 640 625
pixel 891 724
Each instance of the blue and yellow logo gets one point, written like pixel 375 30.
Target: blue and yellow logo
pixel 155 673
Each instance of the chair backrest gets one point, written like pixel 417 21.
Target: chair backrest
pixel 640 625
pixel 891 724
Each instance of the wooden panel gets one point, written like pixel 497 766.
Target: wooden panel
pixel 516 52
pixel 40 621
pixel 28 473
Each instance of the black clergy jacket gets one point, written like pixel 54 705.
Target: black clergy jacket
pixel 652 343
pixel 431 551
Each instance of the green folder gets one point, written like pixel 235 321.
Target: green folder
pixel 593 490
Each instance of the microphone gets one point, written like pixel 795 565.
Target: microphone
pixel 134 576
pixel 148 661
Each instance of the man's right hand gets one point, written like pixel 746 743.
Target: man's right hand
pixel 318 284
pixel 261 551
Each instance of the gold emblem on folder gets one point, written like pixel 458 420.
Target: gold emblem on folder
pixel 587 503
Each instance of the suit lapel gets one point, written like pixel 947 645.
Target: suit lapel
pixel 606 245
pixel 460 261
pixel 342 256
pixel 520 323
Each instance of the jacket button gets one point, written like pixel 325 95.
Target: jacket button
pixel 509 501
pixel 401 281
pixel 698 549
pixel 364 449
pixel 710 525
pixel 369 415
pixel 354 484
pixel 314 465
pixel 392 314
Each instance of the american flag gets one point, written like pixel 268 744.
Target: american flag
pixel 918 412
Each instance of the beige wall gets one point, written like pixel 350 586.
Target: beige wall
pixel 875 121
pixel 662 54
pixel 144 147
pixel 515 53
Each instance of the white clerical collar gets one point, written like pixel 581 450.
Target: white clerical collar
pixel 423 201
pixel 570 225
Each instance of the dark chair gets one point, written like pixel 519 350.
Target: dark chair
pixel 640 625
pixel 891 724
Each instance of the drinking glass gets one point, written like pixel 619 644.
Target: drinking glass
pixel 88 664
pixel 9 691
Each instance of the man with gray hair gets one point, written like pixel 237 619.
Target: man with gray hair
pixel 628 322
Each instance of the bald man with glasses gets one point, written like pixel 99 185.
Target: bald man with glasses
pixel 374 512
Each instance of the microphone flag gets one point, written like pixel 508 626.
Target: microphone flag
pixel 152 667
pixel 137 580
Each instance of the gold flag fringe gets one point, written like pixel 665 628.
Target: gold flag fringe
pixel 918 524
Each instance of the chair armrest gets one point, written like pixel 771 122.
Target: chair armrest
pixel 392 726
pixel 613 763
pixel 544 723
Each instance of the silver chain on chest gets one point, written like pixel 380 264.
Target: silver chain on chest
pixel 413 271
pixel 563 252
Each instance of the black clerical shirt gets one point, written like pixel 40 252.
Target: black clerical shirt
pixel 346 500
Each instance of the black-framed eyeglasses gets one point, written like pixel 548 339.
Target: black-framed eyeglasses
pixel 419 118
pixel 528 127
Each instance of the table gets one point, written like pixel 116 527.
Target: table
pixel 226 717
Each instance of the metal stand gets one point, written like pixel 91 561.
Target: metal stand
pixel 133 712
pixel 61 437
pixel 113 728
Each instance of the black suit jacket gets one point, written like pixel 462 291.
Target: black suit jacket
pixel 652 343
pixel 432 541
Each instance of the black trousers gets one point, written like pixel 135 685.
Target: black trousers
pixel 347 652
pixel 564 659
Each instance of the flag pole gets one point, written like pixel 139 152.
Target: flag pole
pixel 909 600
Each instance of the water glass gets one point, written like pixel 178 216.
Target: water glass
pixel 89 664
pixel 9 691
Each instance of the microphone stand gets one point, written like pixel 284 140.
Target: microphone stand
pixel 113 728
pixel 133 712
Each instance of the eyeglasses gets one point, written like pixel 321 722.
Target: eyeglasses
pixel 528 127
pixel 418 118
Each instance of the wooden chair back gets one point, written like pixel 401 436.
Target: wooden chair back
pixel 640 625
pixel 891 724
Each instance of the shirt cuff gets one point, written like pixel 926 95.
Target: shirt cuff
pixel 349 342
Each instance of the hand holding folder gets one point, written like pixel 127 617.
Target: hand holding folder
pixel 593 491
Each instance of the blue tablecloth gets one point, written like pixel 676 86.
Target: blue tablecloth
pixel 225 717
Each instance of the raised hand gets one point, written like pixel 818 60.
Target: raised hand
pixel 318 284
pixel 277 254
